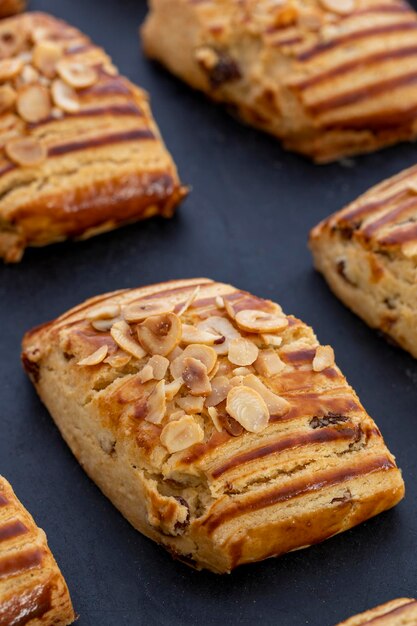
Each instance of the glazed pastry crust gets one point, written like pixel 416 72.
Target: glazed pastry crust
pixel 401 612
pixel 10 7
pixel 95 159
pixel 368 254
pixel 330 78
pixel 217 473
pixel 32 589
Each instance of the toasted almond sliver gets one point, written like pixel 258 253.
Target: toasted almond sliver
pixel 257 321
pixel 97 357
pixel 248 408
pixel 323 358
pixel 46 54
pixel 194 375
pixel 29 75
pixel 120 359
pixel 33 103
pixel 76 75
pixel 156 404
pixel 220 387
pixel 146 373
pixel 176 415
pixel 160 334
pixel 139 311
pixel 12 39
pixel 212 411
pixel 26 151
pixel 181 434
pixel 219 302
pixel 104 325
pixel 172 388
pixel 242 371
pixel 268 363
pixel 120 331
pixel 409 249
pixel 341 7
pixel 103 312
pixel 9 68
pixel 242 352
pixel 7 98
pixel 276 405
pixel 191 334
pixel 159 366
pixel 189 301
pixel 203 353
pixel 271 340
pixel 191 404
pixel 224 328
pixel 64 96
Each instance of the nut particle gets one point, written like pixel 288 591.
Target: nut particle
pixel 242 352
pixel 276 405
pixel 194 375
pixel 7 98
pixel 181 434
pixel 139 311
pixel 340 7
pixel 248 408
pixel 33 103
pixel 202 353
pixel 160 334
pixel 268 363
pixel 257 321
pixel 95 358
pixel 121 333
pixel 46 54
pixel 26 151
pixel 323 358
pixel 76 75
pixel 9 68
pixel 156 404
pixel 64 96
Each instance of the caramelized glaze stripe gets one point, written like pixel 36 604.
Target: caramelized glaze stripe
pixel 390 216
pixel 105 140
pixel 299 356
pixel 362 93
pixel 297 488
pixel 370 207
pixel 315 404
pixel 399 236
pixel 360 62
pixel 116 85
pixel 400 119
pixel 321 435
pixel 21 610
pixel 20 562
pixel 114 110
pixel 12 530
pixel 375 31
pixel 397 611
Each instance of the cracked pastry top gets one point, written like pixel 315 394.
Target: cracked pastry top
pixel 401 612
pixel 33 591
pixel 329 78
pixel 79 150
pixel 10 7
pixel 218 425
pixel 368 254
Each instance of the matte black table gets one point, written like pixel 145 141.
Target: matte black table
pixel 246 222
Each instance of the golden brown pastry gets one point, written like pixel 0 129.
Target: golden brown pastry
pixel 328 77
pixel 10 7
pixel 368 254
pixel 401 612
pixel 218 425
pixel 33 591
pixel 80 152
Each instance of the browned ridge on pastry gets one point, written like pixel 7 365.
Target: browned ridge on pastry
pixel 401 612
pixel 329 78
pixel 80 151
pixel 10 7
pixel 368 254
pixel 33 591
pixel 218 425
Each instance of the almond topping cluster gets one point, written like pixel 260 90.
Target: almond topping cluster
pixel 199 371
pixel 39 80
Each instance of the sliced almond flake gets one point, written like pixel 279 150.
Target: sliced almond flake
pixel 139 311
pixel 33 103
pixel 242 352
pixel 242 371
pixel 120 331
pixel 180 434
pixel 268 363
pixel 189 301
pixel 271 340
pixel 103 312
pixel 194 375
pixel 159 366
pixel 213 413
pixel 26 151
pixel 202 353
pixel 156 404
pixel 29 75
pixel 176 415
pixel 9 68
pixel 146 373
pixel 276 405
pixel 46 55
pixel 160 334
pixel 191 404
pixel 220 387
pixel 224 328
pixel 340 7
pixel 118 360
pixel 248 408
pixel 97 357
pixel 409 249
pixel 191 334
pixel 172 388
pixel 219 302
pixel 104 325
pixel 7 98
pixel 257 321
pixel 323 358
pixel 77 75
pixel 64 96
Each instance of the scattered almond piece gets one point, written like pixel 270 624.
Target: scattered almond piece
pixel 172 388
pixel 409 249
pixel 223 328
pixel 202 353
pixel 213 413
pixel 103 312
pixel 26 151
pixel 191 404
pixel 33 103
pixel 242 371
pixel 189 301
pixel 323 358
pixel 191 334
pixel 12 39
pixel 248 408
pixel 121 333
pixel 159 366
pixel 146 374
pixel 181 434
pixel 64 96
pixel 139 311
pixel 176 415
pixel 268 363
pixel 220 387
pixel 46 54
pixel 256 321
pixel 120 359
pixel 160 334
pixel 7 98
pixel 242 352
pixel 194 375
pixel 276 405
pixel 28 75
pixel 271 340
pixel 76 75
pixel 156 404
pixel 103 325
pixel 219 302
pixel 94 359
pixel 341 7
pixel 9 68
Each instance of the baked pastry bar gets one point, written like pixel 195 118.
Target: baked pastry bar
pixel 401 612
pixel 216 424
pixel 368 251
pixel 80 152
pixel 10 7
pixel 329 78
pixel 33 591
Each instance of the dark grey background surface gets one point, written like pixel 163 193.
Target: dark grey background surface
pixel 246 222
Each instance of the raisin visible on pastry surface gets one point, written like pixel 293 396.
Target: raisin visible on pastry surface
pixel 80 153
pixel 374 270
pixel 401 612
pixel 329 78
pixel 32 588
pixel 217 424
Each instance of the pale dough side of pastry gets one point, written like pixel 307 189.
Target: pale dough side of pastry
pixel 33 591
pixel 368 254
pixel 81 153
pixel 218 425
pixel 400 612
pixel 330 78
